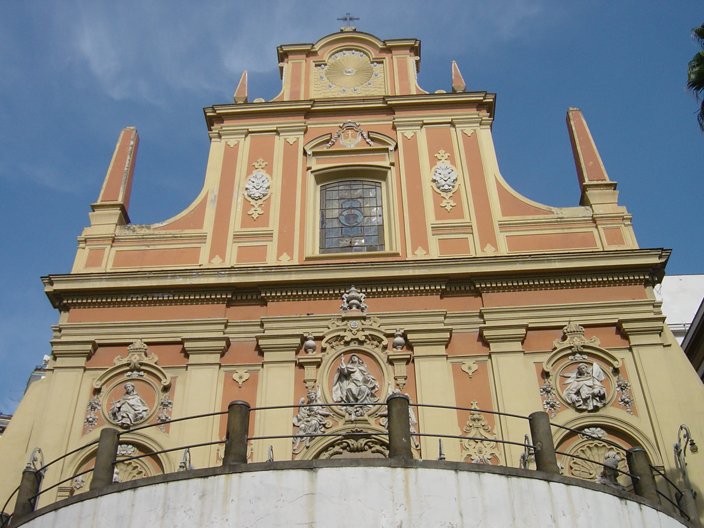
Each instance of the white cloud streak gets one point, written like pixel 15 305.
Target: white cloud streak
pixel 141 51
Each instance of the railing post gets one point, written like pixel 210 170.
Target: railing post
pixel 541 435
pixel 26 500
pixel 643 480
pixel 687 502
pixel 399 426
pixel 105 458
pixel 237 430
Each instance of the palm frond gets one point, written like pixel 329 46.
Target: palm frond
pixel 695 74
pixel 698 35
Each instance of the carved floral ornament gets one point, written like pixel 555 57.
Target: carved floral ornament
pixel 445 180
pixel 480 445
pixel 257 188
pixel 131 392
pixel 581 375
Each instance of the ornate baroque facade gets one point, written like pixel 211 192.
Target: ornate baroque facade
pixel 458 291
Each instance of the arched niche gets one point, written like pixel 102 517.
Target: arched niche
pixel 130 445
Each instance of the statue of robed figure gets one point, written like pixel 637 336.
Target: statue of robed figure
pixel 584 389
pixel 354 384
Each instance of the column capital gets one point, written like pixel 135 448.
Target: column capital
pixel 504 337
pixel 279 347
pixel 72 352
pixel 205 349
pixel 643 330
pixel 424 336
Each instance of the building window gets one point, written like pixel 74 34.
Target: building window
pixel 351 219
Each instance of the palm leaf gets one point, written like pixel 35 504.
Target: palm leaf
pixel 695 74
pixel 698 35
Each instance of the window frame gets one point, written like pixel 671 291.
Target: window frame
pixel 325 175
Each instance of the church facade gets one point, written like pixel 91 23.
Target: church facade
pixel 354 238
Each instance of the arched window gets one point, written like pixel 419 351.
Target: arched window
pixel 351 217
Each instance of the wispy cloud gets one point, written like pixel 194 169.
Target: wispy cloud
pixel 138 50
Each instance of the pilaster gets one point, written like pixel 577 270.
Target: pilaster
pixel 513 378
pixel 64 375
pixel 276 387
pixel 434 385
pixel 202 372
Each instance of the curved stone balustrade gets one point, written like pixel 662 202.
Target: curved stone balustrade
pixel 353 493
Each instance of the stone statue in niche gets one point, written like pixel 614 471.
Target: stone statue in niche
pixel 610 473
pixel 354 384
pixel 309 420
pixel 130 409
pixel 584 389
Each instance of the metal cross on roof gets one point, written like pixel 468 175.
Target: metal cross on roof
pixel 348 18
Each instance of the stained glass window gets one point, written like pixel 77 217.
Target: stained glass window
pixel 351 219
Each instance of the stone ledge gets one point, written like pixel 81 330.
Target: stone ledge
pixel 346 463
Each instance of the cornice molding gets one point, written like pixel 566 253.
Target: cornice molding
pixel 329 280
pixel 468 102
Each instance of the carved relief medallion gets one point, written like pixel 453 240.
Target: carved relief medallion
pixel 445 180
pixel 257 188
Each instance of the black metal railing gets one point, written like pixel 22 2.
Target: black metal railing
pixel 399 433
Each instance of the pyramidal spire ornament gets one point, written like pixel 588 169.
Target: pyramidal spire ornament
pixel 352 301
pixel 241 95
pixel 458 84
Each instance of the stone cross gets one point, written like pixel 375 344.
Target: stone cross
pixel 347 18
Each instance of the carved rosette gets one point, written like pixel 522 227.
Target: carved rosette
pixel 257 188
pixel 445 180
pixel 480 446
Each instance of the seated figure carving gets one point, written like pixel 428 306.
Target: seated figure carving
pixel 129 410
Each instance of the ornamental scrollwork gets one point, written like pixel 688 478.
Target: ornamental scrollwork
pixel 353 448
pixel 257 188
pixel 573 336
pixel 445 180
pixel 363 331
pixel 481 445
pixel 349 134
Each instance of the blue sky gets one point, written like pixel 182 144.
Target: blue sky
pixel 74 73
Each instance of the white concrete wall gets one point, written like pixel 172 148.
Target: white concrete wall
pixel 378 497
